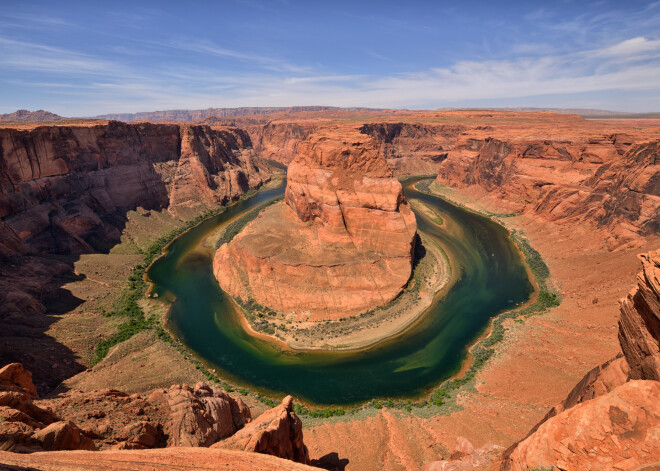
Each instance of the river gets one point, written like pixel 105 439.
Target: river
pixel 491 278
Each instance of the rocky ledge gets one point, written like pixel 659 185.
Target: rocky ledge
pixel 181 417
pixel 340 244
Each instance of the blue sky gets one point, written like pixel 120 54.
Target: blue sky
pixel 87 58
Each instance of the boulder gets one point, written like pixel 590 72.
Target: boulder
pixel 276 432
pixel 62 436
pixel 202 415
pixel 618 430
pixel 13 377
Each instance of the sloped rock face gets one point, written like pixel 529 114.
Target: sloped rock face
pixel 181 417
pixel 610 420
pixel 616 431
pixel 414 148
pixel 175 459
pixel 201 416
pixel 609 181
pixel 277 432
pixel 26 427
pixel 639 324
pixel 279 140
pixel 341 244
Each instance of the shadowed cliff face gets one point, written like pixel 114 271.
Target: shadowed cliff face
pixel 66 190
pixel 414 148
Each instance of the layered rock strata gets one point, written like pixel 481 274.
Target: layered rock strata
pixel 610 181
pixel 639 324
pixel 414 148
pixel 341 243
pixel 66 190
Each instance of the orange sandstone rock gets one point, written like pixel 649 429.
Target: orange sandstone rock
pixel 639 324
pixel 342 244
pixel 200 416
pixel 617 431
pixel 276 432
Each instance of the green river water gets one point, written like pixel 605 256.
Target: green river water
pixel 491 278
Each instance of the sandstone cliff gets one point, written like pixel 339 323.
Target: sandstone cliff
pixel 639 324
pixel 279 140
pixel 414 148
pixel 610 420
pixel 66 190
pixel 342 243
pixel 610 181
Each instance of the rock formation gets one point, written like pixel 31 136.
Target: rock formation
pixel 279 140
pixel 610 181
pixel 414 148
pixel 26 427
pixel 610 420
pixel 616 431
pixel 277 432
pixel 341 244
pixel 639 324
pixel 200 416
pixel 180 416
pixel 65 189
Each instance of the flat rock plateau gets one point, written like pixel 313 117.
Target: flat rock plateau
pixel 81 202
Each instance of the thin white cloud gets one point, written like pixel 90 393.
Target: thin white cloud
pixel 263 61
pixel 632 47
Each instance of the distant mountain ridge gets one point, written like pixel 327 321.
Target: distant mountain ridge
pixel 589 112
pixel 197 115
pixel 25 116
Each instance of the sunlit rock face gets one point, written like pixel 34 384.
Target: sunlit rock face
pixel 340 244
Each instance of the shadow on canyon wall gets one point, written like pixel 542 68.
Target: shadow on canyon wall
pixel 67 191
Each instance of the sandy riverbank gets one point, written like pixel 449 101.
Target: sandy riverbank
pixel 430 279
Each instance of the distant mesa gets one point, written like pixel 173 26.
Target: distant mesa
pixel 25 116
pixel 198 115
pixel 340 244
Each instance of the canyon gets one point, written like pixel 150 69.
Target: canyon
pixel 585 193
pixel 66 190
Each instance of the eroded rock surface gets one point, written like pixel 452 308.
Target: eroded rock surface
pixel 611 181
pixel 616 431
pixel 181 416
pixel 26 427
pixel 276 432
pixel 67 189
pixel 611 419
pixel 202 415
pixel 341 244
pixel 639 324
